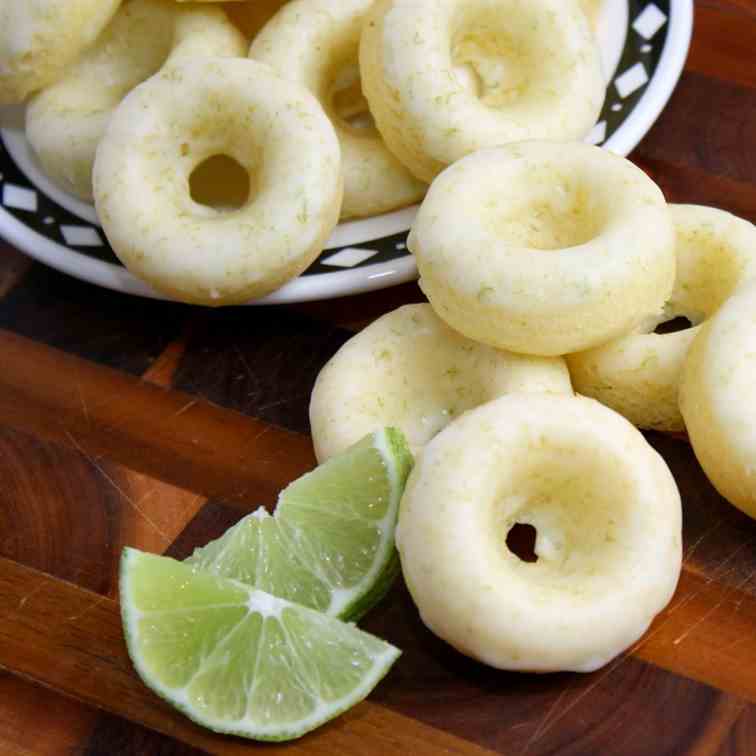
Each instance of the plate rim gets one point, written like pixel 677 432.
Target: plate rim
pixel 662 84
pixel 341 283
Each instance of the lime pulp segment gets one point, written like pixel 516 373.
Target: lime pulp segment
pixel 239 660
pixel 330 544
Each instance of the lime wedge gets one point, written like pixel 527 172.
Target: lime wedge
pixel 330 544
pixel 238 660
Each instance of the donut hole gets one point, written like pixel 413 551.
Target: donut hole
pixel 558 213
pixel 521 541
pixel 672 320
pixel 221 183
pixel 499 59
pixel 348 104
pixel 577 502
pixel 673 325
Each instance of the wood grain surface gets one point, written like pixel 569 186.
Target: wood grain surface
pixel 128 422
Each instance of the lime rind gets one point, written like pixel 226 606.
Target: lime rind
pixel 359 607
pixel 324 549
pixel 269 608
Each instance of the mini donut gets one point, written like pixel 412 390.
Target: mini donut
pixel 607 515
pixel 639 374
pixel 718 398
pixel 65 122
pixel 169 125
pixel 544 248
pixel 409 370
pixel 445 78
pixel 39 38
pixel 316 43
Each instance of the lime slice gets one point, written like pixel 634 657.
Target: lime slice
pixel 238 660
pixel 330 544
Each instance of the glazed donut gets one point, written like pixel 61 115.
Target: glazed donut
pixel 173 122
pixel 718 398
pixel 409 370
pixel 316 43
pixel 40 38
pixel 65 122
pixel 639 374
pixel 544 248
pixel 607 515
pixel 445 78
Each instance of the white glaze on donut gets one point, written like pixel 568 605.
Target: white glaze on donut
pixel 718 398
pixel 544 247
pixel 169 125
pixel 608 519
pixel 410 371
pixel 447 77
pixel 65 122
pixel 639 375
pixel 316 43
pixel 40 38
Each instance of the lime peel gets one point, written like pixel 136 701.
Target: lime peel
pixel 324 547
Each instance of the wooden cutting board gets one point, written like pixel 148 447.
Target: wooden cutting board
pixel 124 421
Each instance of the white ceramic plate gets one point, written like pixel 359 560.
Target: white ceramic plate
pixel 644 45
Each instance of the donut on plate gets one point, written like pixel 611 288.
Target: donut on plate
pixel 40 38
pixel 65 122
pixel 445 78
pixel 639 374
pixel 316 43
pixel 167 127
pixel 409 370
pixel 544 247
pixel 607 517
pixel 718 398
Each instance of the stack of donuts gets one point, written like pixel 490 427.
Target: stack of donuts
pixel 222 142
pixel 549 266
